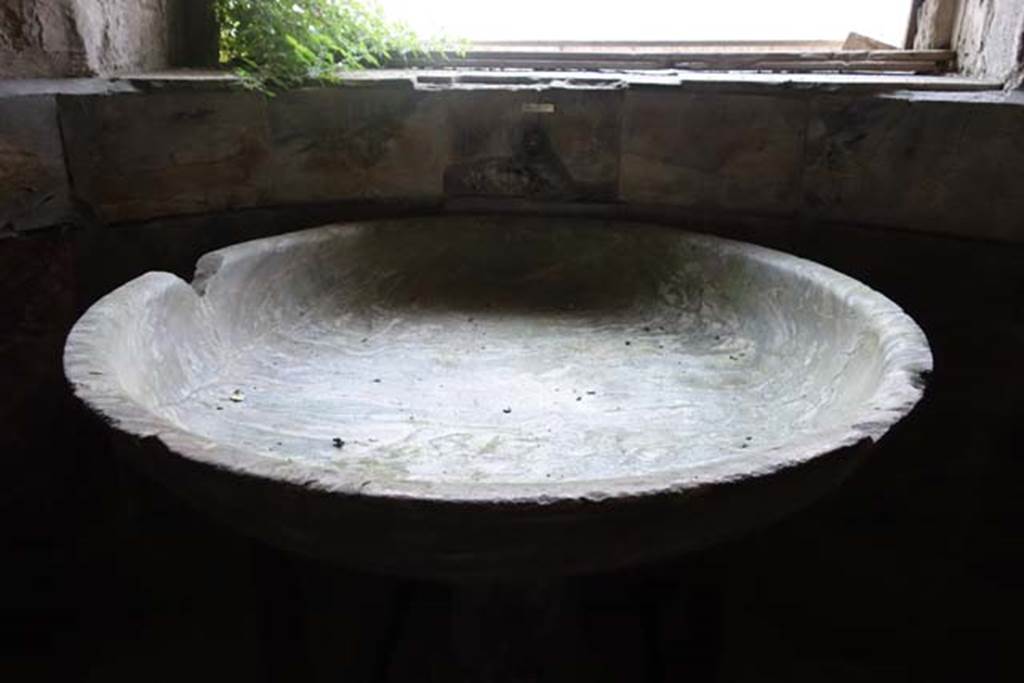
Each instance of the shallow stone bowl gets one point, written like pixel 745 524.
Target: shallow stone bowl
pixel 497 396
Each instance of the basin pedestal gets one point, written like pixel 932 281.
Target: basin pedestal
pixel 599 629
pixel 505 632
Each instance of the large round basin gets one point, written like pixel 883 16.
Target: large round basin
pixel 486 396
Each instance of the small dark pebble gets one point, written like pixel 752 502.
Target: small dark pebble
pixel 338 443
pixel 506 410
pixel 647 328
pixel 591 393
pixel 750 438
pixel 743 445
pixel 377 381
pixel 579 398
pixel 220 407
pixel 364 340
pixel 628 342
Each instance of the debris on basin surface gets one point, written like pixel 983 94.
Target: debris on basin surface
pixel 237 396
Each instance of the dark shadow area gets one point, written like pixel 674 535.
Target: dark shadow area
pixel 486 264
pixel 910 572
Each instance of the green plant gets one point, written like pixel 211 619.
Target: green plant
pixel 279 44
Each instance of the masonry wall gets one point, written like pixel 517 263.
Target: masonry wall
pixel 930 162
pixel 39 39
pixel 989 39
pixel 63 38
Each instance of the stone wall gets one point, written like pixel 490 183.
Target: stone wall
pixel 34 188
pixel 941 162
pixel 989 39
pixel 123 35
pixel 933 24
pixel 61 38
pixel 38 38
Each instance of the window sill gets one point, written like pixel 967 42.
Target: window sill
pixel 529 79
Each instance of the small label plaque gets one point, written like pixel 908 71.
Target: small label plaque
pixel 538 108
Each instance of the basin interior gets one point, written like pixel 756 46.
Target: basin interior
pixel 502 350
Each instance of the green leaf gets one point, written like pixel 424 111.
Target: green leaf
pixel 279 44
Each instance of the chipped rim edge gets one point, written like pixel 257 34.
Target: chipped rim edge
pixel 906 364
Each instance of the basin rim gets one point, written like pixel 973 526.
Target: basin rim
pixel 907 362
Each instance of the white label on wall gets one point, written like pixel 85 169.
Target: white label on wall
pixel 538 108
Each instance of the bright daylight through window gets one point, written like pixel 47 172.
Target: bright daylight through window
pixel 657 20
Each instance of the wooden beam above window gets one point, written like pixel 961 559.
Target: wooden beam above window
pixel 765 56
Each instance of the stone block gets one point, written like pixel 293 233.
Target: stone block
pixel 33 183
pixel 714 151
pixel 61 38
pixel 934 166
pixel 39 38
pixel 545 144
pixel 341 143
pixel 134 157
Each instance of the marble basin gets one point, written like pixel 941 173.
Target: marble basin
pixel 491 396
